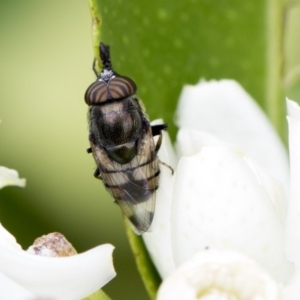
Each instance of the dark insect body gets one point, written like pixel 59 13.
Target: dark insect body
pixel 122 143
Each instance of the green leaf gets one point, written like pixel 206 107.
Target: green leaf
pixel 96 30
pixel 165 44
pixel 292 90
pixel 99 295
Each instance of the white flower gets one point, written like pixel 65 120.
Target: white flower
pixel 27 276
pixel 219 275
pixel 231 184
pixel 293 220
pixel 10 177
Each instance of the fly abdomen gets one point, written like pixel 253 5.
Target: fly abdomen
pixel 139 192
pixel 134 185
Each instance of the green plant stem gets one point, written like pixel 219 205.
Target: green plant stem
pixel 275 105
pixel 144 263
pixel 99 295
pixel 96 31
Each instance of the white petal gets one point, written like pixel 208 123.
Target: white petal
pixel 166 152
pixel 225 110
pixel 222 275
pixel 292 290
pixel 158 239
pixel 270 186
pixel 220 202
pixel 11 290
pixel 191 141
pixel 293 216
pixel 60 278
pixel 8 241
pixel 293 109
pixel 10 177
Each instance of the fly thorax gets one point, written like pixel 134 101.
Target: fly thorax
pixel 122 154
pixel 119 124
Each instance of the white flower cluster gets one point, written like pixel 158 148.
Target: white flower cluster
pixel 225 226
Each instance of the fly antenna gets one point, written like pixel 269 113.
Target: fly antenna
pixel 105 57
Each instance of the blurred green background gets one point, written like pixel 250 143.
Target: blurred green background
pixel 46 66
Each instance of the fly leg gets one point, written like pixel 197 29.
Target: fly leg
pixel 157 146
pixel 91 139
pixel 156 129
pixel 169 167
pixel 97 174
pixel 94 67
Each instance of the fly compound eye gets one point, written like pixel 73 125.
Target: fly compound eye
pixel 118 87
pixel 96 93
pixel 121 87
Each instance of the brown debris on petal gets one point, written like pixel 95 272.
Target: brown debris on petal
pixel 53 245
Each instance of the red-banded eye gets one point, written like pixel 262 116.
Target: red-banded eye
pixel 118 87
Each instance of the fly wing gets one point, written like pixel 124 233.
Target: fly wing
pixel 133 185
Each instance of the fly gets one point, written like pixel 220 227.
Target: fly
pixel 121 140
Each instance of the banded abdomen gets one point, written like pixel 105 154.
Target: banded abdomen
pixel 133 185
